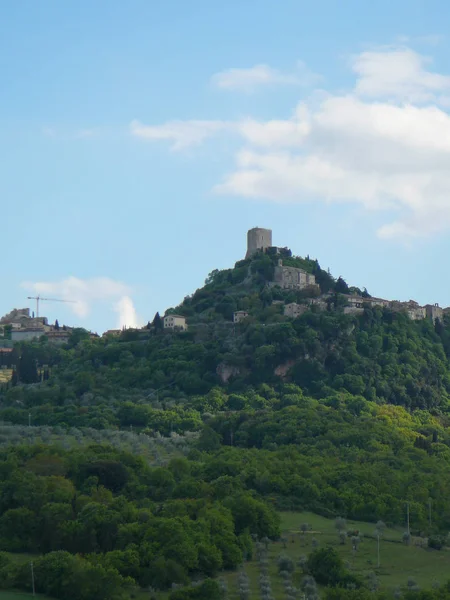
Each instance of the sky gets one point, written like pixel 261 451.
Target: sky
pixel 139 141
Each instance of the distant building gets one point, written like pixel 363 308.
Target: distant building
pixel 356 304
pixel 58 337
pixel 239 316
pixel 414 311
pixel 258 239
pixel 112 332
pixel 177 322
pixel 292 278
pixel 27 334
pixel 434 312
pixel 17 315
pixel 294 310
pixel 378 302
pixel 319 303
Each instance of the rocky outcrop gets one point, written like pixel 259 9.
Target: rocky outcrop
pixel 225 372
pixel 283 369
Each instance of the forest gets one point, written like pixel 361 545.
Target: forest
pixel 158 460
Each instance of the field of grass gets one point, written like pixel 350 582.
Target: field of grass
pixel 398 562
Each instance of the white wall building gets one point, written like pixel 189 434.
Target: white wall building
pixel 175 322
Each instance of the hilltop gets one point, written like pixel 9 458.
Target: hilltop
pixel 280 387
pixel 273 319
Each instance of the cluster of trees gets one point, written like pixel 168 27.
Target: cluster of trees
pixel 380 356
pixel 337 414
pixel 130 523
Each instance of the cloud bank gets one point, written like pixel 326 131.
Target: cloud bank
pixel 83 294
pixel 383 144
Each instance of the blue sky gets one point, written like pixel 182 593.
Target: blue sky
pixel 140 140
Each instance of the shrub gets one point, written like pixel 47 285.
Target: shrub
pixel 436 542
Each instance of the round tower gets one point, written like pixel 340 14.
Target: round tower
pixel 258 239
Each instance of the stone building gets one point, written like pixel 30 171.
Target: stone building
pixel 17 315
pixel 175 322
pixel 114 332
pixel 20 318
pixel 413 309
pixel 434 312
pixel 239 316
pixel 294 310
pixel 27 334
pixel 292 278
pixel 58 337
pixel 355 305
pixel 258 239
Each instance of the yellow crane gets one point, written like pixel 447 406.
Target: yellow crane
pixel 40 299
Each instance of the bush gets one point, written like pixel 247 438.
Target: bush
pixel 207 590
pixel 327 568
pixel 436 542
pixel 285 564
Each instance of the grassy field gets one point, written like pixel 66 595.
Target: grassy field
pixel 398 562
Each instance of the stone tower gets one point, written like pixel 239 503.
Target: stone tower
pixel 258 239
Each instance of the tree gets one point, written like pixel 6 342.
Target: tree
pixel 18 530
pixel 326 566
pixel 243 586
pixel 373 582
pixel 56 325
pixel 158 323
pixel 78 335
pixel 27 367
pixel 309 587
pixel 379 530
pixel 355 542
pixel 341 526
pixel 412 585
pixel 304 528
pixel 341 286
pixel 285 563
pixel 209 440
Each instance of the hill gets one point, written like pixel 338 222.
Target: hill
pixel 339 412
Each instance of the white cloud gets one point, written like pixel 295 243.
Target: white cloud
pixel 83 294
pixel 182 134
pixel 384 144
pixel 276 133
pixel 398 73
pixel 247 79
pixel 376 154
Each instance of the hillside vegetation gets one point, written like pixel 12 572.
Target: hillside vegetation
pixel 199 437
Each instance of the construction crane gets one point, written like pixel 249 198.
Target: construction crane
pixel 40 299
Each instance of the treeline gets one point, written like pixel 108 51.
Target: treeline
pixel 381 356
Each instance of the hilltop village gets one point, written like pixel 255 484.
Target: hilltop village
pixel 293 278
pixel 22 325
